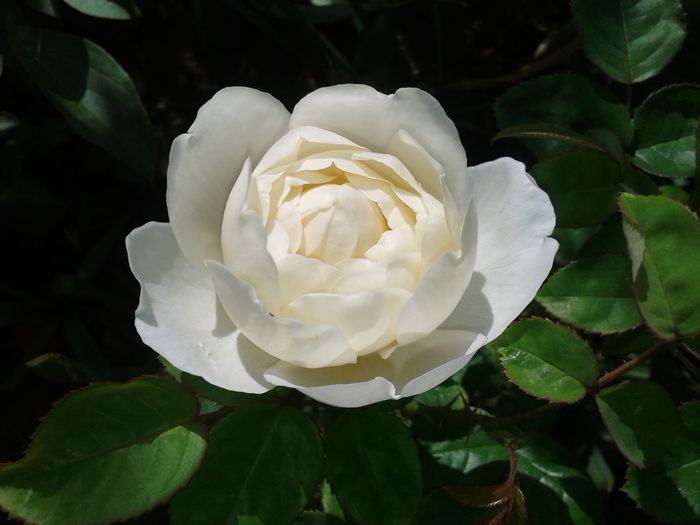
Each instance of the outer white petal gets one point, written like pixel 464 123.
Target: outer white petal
pixel 442 286
pixel 514 253
pixel 410 370
pixel 180 318
pixel 371 119
pixel 244 244
pixel 237 123
pixel 302 344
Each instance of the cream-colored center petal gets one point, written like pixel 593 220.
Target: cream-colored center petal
pixel 338 223
pixel 351 232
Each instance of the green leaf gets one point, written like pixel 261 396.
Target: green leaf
pixel 262 462
pixel 630 342
pixel 550 132
pixel 556 490
pixel 330 502
pixel 609 239
pixel 663 238
pixel 448 394
pixel 113 9
pixel 546 360
pixel 599 471
pixel 373 467
pixel 631 40
pixel 675 193
pixel 593 294
pixel 105 453
pixel 664 131
pixel 636 181
pixel 566 101
pixel 671 490
pixel 476 459
pixel 641 418
pixel 582 186
pixel 571 240
pixel 8 122
pixel 47 7
pixel 91 90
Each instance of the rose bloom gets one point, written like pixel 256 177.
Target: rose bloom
pixel 345 250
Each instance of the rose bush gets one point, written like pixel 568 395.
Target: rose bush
pixel 344 250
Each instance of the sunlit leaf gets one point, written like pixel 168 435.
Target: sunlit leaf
pixel 663 238
pixel 593 294
pixel 642 420
pixel 105 453
pixel 546 360
pixel 664 131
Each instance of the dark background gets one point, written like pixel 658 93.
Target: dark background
pixel 67 296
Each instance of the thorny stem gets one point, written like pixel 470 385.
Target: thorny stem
pixel 626 367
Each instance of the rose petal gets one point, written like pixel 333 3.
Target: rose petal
pixel 366 319
pixel 244 244
pixel 179 317
pixel 409 370
pixel 371 119
pixel 235 124
pixel 442 286
pixel 302 344
pixel 514 253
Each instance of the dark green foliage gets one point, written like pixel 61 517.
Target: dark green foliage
pixel 373 467
pixel 261 461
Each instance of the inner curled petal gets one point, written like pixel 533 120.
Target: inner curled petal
pixel 351 232
pixel 338 223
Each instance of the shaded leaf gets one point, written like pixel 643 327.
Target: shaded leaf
pixel 91 90
pixel 609 239
pixel 570 101
pixel 546 360
pixel 630 342
pixel 642 420
pixel 47 7
pixel 261 462
pixel 582 186
pixel 675 193
pixel 571 240
pixel 373 467
pixel 114 9
pixel 105 453
pixel 550 132
pixel 664 131
pixel 663 238
pixel 670 491
pixel 593 294
pixel 556 489
pixel 631 40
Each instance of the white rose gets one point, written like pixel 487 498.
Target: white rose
pixel 344 250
